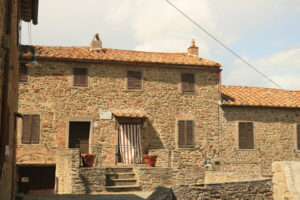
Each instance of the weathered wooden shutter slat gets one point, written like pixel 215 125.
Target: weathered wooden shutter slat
pixel 249 135
pixel 134 80
pixel 188 82
pixel 298 136
pixel 181 134
pixel 190 133
pixel 242 136
pixel 80 77
pixel 26 129
pixel 35 129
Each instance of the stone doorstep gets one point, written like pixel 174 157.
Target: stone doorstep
pixel 120 175
pixel 123 188
pixel 119 182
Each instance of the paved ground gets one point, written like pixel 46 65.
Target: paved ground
pixel 102 196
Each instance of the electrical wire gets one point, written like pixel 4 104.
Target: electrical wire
pixel 225 46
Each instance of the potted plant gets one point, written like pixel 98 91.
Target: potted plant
pixel 88 159
pixel 150 160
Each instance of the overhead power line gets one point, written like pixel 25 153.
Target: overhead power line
pixel 222 44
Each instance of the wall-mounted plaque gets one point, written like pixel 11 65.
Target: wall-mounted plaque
pixel 25 179
pixel 105 115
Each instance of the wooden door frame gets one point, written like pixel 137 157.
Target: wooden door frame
pixel 81 119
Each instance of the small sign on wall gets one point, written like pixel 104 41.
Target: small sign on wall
pixel 25 179
pixel 105 115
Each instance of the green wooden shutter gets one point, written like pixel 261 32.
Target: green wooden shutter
pixel 181 134
pixel 35 129
pixel 26 129
pixel 190 133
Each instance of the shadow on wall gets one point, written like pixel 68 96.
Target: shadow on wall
pixel 150 138
pixel 86 184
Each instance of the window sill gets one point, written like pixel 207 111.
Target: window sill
pixel 237 149
pixel 187 148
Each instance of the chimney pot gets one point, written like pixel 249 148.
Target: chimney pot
pixel 193 49
pixel 96 43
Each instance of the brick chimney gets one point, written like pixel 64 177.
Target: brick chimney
pixel 96 43
pixel 193 49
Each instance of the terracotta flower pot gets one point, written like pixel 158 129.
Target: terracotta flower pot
pixel 150 160
pixel 88 159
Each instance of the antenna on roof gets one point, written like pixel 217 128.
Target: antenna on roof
pixel 96 43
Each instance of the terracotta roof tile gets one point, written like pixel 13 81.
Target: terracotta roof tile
pixel 105 54
pixel 128 114
pixel 255 96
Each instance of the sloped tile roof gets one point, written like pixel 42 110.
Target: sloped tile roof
pixel 255 96
pixel 129 114
pixel 117 55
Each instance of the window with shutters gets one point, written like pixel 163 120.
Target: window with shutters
pixel 187 82
pixel 298 136
pixel 246 135
pixel 23 75
pixel 31 129
pixel 185 133
pixel 80 77
pixel 134 80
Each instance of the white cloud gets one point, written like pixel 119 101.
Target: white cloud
pixel 282 67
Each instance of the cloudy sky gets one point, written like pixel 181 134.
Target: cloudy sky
pixel 266 33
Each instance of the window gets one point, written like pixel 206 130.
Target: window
pixel 31 129
pixel 134 80
pixel 298 136
pixel 246 135
pixel 187 82
pixel 80 77
pixel 23 75
pixel 185 133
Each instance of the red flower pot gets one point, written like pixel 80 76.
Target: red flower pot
pixel 88 159
pixel 150 160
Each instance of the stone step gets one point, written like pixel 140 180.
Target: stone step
pixel 120 176
pixel 117 170
pixel 123 188
pixel 120 182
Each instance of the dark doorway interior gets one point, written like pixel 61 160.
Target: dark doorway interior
pixel 36 179
pixel 79 136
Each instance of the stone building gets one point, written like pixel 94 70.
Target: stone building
pixel 11 12
pixel 121 104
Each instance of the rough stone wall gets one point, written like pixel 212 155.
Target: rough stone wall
pixel 8 173
pixel 73 179
pixel 274 140
pixel 226 191
pixel 50 93
pixel 151 178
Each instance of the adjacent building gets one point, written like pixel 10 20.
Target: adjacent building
pixel 121 104
pixel 11 12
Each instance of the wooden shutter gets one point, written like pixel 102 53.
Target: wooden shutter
pixel 298 136
pixel 246 135
pixel 188 82
pixel 190 133
pixel 35 129
pixel 23 75
pixel 134 80
pixel 80 77
pixel 181 134
pixel 26 129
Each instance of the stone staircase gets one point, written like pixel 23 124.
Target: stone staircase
pixel 121 179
